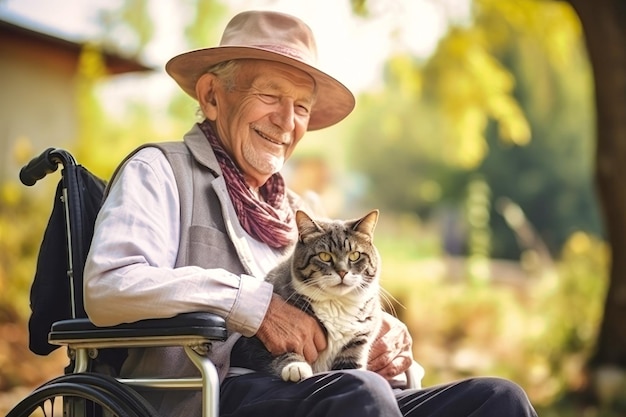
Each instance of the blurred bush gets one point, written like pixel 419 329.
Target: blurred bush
pixel 535 326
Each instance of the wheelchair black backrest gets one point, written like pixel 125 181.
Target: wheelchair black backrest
pixel 57 289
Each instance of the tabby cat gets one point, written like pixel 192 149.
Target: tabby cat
pixel 333 275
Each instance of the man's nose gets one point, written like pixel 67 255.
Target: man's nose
pixel 284 115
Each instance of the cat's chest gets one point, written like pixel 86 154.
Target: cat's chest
pixel 341 321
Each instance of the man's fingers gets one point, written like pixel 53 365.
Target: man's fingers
pixel 399 365
pixel 310 353
pixel 377 363
pixel 319 339
pixel 389 367
pixel 289 329
pixel 314 342
pixel 391 354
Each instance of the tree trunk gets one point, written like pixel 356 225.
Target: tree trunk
pixel 604 26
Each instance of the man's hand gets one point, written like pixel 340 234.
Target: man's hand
pixel 286 328
pixel 391 353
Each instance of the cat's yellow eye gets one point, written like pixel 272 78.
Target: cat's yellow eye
pixel 354 256
pixel 324 256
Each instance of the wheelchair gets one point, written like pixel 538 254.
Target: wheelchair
pixel 83 391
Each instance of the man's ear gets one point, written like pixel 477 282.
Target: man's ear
pixel 205 91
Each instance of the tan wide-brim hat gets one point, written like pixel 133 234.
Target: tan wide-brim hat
pixel 274 37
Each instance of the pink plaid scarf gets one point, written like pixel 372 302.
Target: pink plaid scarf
pixel 270 221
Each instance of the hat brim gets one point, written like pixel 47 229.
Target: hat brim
pixel 333 103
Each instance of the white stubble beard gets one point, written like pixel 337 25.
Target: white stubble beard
pixel 265 162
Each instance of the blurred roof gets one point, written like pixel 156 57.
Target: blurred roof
pixel 40 42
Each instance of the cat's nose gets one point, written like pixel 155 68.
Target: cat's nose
pixel 342 273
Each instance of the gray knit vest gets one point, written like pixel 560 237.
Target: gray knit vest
pixel 200 209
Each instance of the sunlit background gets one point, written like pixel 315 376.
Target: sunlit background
pixel 350 47
pixel 473 134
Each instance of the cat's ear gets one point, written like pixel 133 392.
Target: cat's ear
pixel 306 225
pixel 366 224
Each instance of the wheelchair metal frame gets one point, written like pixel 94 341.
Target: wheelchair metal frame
pixel 193 331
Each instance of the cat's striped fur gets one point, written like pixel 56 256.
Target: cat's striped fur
pixel 332 274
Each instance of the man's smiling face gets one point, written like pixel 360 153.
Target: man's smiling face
pixel 262 119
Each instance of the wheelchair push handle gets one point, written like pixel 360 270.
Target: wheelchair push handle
pixel 44 164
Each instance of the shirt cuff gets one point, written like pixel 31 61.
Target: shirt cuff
pixel 249 309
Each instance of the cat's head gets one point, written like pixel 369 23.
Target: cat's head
pixel 335 258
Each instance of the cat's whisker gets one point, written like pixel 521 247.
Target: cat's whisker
pixel 315 292
pixel 294 297
pixel 389 301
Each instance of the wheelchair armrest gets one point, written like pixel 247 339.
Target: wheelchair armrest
pixel 189 330
pixel 183 329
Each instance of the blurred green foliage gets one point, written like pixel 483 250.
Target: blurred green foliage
pixel 508 99
pixel 132 22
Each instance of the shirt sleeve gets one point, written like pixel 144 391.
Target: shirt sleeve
pixel 130 270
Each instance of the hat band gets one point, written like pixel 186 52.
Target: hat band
pixel 284 50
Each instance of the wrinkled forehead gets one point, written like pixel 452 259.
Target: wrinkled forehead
pixel 277 77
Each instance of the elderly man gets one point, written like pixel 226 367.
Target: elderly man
pixel 164 246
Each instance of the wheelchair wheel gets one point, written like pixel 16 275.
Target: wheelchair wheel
pixel 83 395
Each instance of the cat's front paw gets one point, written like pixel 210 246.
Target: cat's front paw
pixel 296 371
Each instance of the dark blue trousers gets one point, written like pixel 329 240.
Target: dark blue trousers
pixel 366 394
